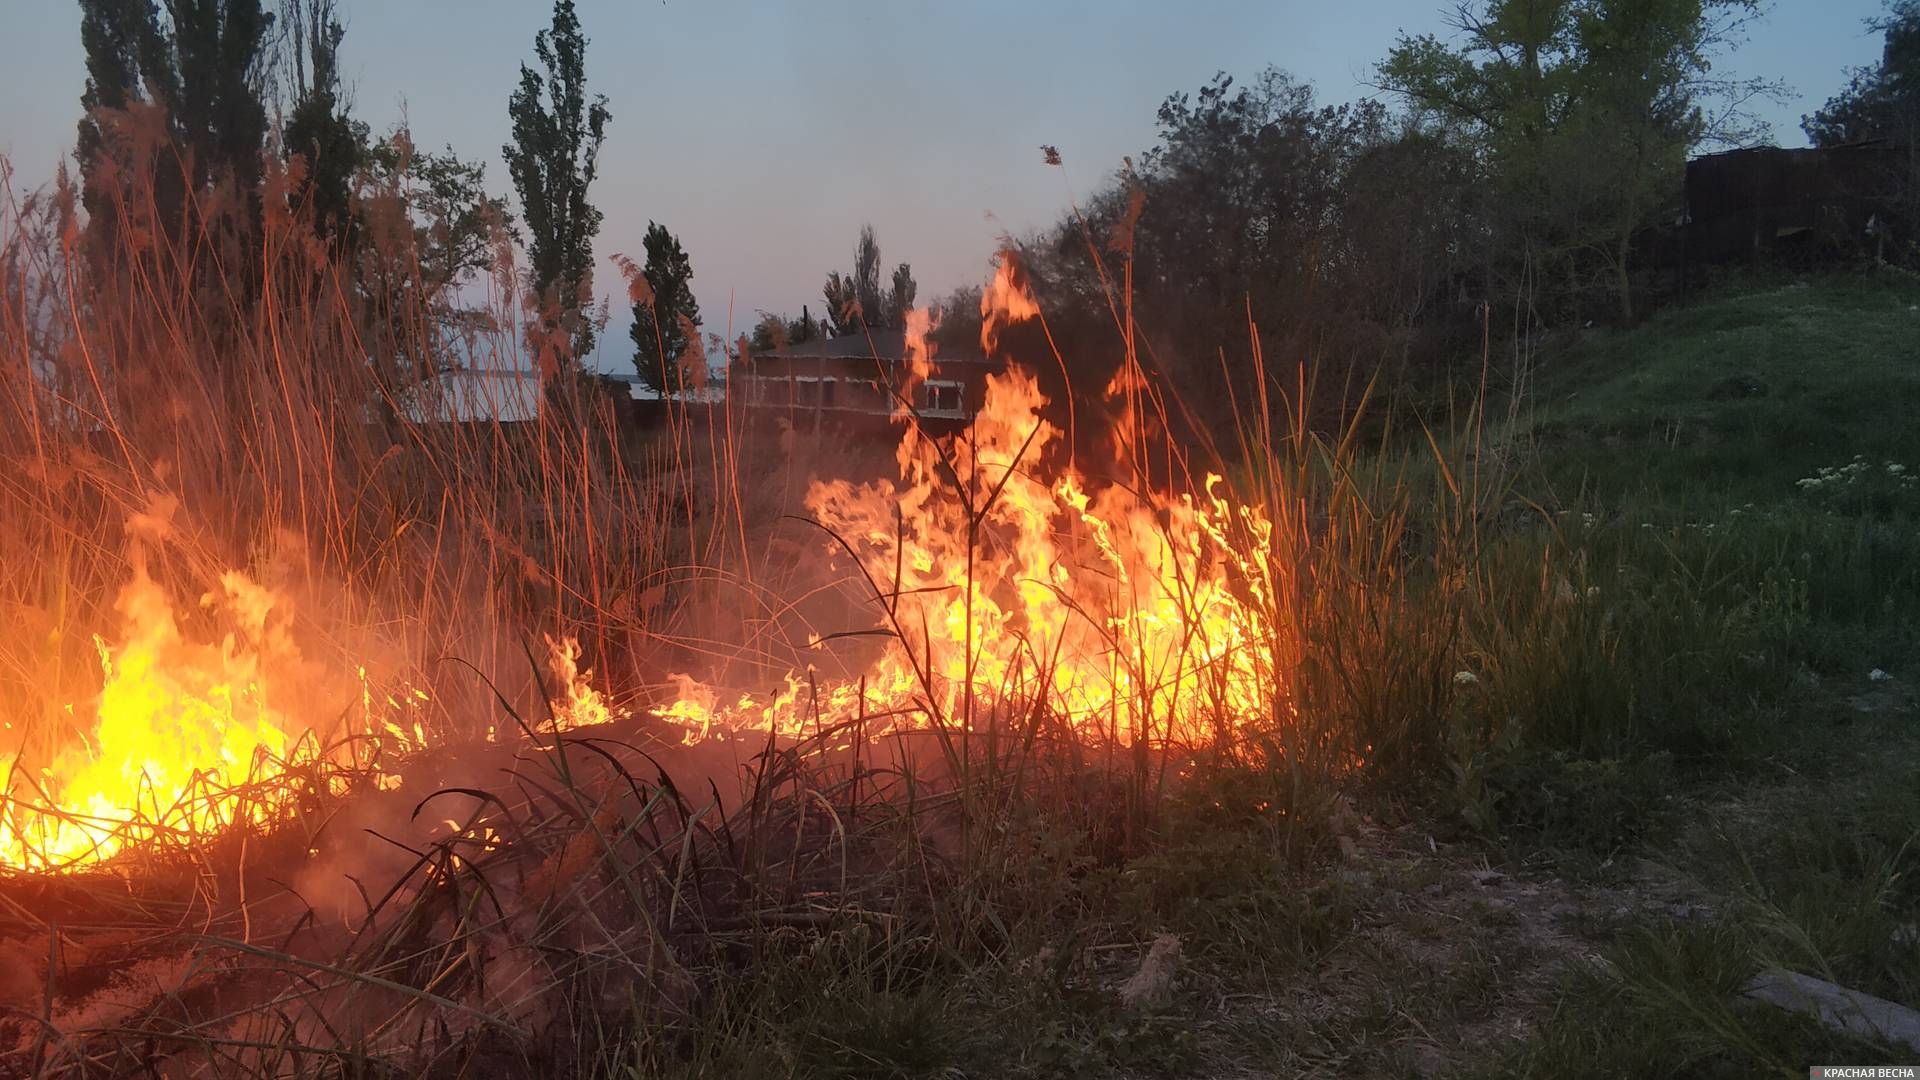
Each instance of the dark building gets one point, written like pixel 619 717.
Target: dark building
pixel 1832 202
pixel 854 379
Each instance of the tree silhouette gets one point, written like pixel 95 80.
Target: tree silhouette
pixel 663 311
pixel 202 65
pixel 331 144
pixel 856 301
pixel 553 159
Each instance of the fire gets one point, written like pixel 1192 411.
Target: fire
pixel 1012 591
pixel 1007 593
pixel 579 703
pixel 193 738
pixel 183 729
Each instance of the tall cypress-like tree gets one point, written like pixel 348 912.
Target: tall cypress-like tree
pixel 557 134
pixel 843 310
pixel 219 49
pixel 202 64
pixel 900 298
pixel 866 279
pixel 661 317
pixel 121 39
pixel 319 130
pixel 856 301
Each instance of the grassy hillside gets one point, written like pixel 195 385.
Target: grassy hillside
pixel 1736 396
pixel 1752 454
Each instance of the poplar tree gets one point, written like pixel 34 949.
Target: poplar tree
pixel 553 158
pixel 661 316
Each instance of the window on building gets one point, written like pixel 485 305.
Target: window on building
pixel 941 399
pixel 815 392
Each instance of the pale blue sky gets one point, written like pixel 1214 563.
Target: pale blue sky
pixel 765 133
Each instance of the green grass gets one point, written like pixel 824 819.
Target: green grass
pixel 1812 873
pixel 1733 397
pixel 1667 591
pixel 1757 762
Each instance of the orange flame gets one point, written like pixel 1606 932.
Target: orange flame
pixel 189 738
pixel 1013 591
pixel 1008 594
pixel 182 728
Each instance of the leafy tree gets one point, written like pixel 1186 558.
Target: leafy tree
pixel 331 144
pixel 1338 237
pixel 857 300
pixel 769 334
pixel 203 64
pixel 665 315
pixel 452 224
pixel 1411 211
pixel 1235 213
pixel 843 314
pixel 803 329
pixel 425 227
pixel 1244 186
pixel 775 332
pixel 1879 102
pixel 553 159
pixel 900 297
pixel 1584 112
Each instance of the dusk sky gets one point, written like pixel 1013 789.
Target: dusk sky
pixel 764 134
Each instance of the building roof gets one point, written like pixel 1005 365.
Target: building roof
pixel 878 344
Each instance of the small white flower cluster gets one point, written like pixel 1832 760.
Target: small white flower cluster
pixel 1858 478
pixel 1857 471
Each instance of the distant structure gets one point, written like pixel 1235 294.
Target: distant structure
pixel 1812 204
pixel 853 379
pixel 509 395
pixel 474 395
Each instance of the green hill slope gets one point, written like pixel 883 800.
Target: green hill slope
pixel 1736 396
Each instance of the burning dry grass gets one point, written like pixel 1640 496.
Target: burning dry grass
pixel 340 816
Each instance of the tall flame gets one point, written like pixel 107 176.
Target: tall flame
pixel 1004 591
pixel 182 728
